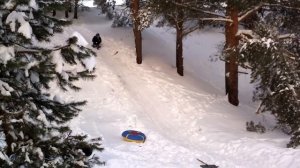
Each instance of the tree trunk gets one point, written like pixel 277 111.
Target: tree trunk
pixel 231 65
pixel 66 13
pixel 179 49
pixel 179 37
pixel 53 12
pixel 227 32
pixel 137 33
pixel 76 9
pixel 67 7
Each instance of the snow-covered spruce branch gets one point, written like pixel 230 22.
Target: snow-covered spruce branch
pixel 37 49
pixel 287 64
pixel 18 114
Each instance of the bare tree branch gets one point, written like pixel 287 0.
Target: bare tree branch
pixel 216 19
pixel 285 36
pixel 190 30
pixel 248 13
pixel 199 10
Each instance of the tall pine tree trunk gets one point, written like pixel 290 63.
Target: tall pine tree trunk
pixel 137 33
pixel 53 12
pixel 67 6
pixel 231 65
pixel 179 48
pixel 76 9
pixel 66 13
pixel 179 37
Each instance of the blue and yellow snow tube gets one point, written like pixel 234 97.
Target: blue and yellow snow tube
pixel 134 136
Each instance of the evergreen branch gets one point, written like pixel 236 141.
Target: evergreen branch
pixel 37 49
pixel 246 34
pixel 18 114
pixel 283 6
pixel 244 15
pixel 285 36
pixel 242 65
pixel 243 72
pixel 199 10
pixel 190 30
pixel 217 19
pixel 30 49
pixel 250 12
pixel 288 54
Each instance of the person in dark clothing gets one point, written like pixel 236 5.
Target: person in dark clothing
pixel 97 41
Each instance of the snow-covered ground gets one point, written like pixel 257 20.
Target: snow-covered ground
pixel 90 3
pixel 184 118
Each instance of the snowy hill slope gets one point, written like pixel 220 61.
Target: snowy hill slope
pixel 184 118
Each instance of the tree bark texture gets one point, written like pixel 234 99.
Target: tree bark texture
pixel 231 61
pixel 179 43
pixel 137 33
pixel 179 50
pixel 67 7
pixel 76 9
pixel 53 12
pixel 66 13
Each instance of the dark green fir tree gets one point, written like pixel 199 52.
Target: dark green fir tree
pixel 33 124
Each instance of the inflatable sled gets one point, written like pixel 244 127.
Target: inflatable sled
pixel 134 136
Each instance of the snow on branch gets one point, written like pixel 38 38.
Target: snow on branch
pixel 217 19
pixel 285 36
pixel 6 54
pixel 5 89
pixel 19 17
pixel 246 33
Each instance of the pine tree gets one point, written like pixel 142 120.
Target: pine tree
pixel 236 11
pixel 122 18
pixel 107 7
pixel 135 6
pixel 34 123
pixel 76 9
pixel 233 13
pixel 175 13
pixel 272 53
pixel 135 14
